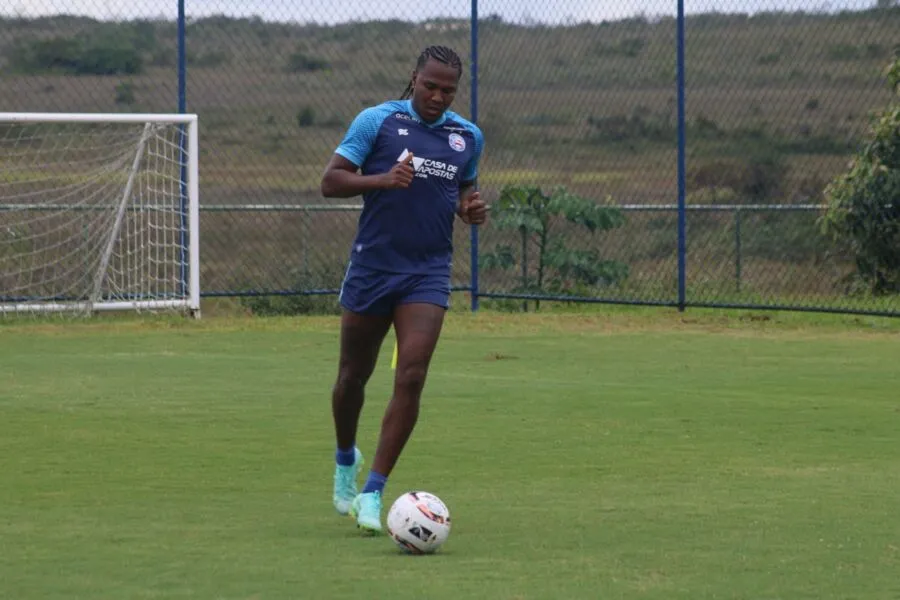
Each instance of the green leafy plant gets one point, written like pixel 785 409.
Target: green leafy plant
pixel 863 211
pixel 561 269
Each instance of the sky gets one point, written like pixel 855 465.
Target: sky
pixel 337 11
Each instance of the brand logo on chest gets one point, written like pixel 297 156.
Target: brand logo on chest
pixel 426 167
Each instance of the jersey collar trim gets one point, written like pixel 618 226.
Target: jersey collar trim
pixel 415 115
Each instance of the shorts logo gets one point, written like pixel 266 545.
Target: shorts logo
pixel 457 142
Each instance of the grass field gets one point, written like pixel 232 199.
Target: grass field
pixel 616 454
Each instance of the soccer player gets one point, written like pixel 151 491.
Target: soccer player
pixel 415 163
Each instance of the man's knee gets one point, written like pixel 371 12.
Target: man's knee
pixel 351 378
pixel 411 377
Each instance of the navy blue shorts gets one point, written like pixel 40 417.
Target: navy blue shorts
pixel 372 292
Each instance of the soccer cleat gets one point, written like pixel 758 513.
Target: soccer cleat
pixel 367 510
pixel 345 483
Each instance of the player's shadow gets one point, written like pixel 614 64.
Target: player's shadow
pixel 391 549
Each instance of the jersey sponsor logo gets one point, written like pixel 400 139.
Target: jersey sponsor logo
pixel 457 142
pixel 426 167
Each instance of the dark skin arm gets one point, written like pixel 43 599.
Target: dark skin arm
pixel 342 179
pixel 472 209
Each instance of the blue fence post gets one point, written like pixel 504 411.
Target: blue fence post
pixel 682 217
pixel 738 260
pixel 473 251
pixel 182 108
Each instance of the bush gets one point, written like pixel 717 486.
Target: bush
pixel 300 303
pixel 863 212
pixel 301 62
pixel 291 305
pixel 109 57
pixel 560 269
pixel 641 124
pixel 81 55
pixel 756 179
pixel 306 117
pixel 125 93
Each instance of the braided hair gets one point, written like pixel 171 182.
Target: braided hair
pixel 439 53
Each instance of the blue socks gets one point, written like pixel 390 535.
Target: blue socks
pixel 345 458
pixel 374 483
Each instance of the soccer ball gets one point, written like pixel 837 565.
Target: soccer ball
pixel 418 522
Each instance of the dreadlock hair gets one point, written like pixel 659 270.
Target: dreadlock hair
pixel 439 53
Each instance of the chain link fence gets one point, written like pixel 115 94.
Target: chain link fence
pixel 579 105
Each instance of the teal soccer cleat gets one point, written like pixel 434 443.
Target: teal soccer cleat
pixel 345 483
pixel 367 510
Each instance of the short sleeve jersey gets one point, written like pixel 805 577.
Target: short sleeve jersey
pixel 410 230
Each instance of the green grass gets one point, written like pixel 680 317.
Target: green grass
pixel 618 454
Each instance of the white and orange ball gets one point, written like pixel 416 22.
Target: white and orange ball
pixel 419 522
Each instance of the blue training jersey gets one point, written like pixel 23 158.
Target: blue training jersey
pixel 410 230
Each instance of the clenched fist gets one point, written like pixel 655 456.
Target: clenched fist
pixel 472 209
pixel 401 175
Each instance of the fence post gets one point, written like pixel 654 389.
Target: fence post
pixel 525 286
pixel 682 220
pixel 737 248
pixel 304 233
pixel 473 250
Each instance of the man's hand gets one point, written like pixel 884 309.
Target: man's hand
pixel 472 209
pixel 401 175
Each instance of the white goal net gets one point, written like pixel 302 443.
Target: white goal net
pixel 98 212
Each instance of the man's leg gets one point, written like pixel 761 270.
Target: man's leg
pixel 361 339
pixel 418 326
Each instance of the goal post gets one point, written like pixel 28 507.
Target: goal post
pixel 99 212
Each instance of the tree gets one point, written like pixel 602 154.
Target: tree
pixel 863 211
pixel 561 269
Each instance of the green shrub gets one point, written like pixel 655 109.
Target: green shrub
pixel 756 179
pixel 301 62
pixel 125 93
pixel 863 212
pixel 106 54
pixel 301 303
pixel 641 124
pixel 109 57
pixel 560 269
pixel 306 117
